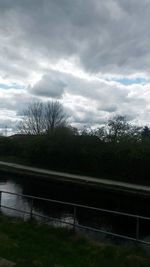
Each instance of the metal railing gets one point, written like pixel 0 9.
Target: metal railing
pixel 74 223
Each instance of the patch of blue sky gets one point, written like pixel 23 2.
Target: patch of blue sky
pixel 130 81
pixel 10 86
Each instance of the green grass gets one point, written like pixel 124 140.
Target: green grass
pixel 30 244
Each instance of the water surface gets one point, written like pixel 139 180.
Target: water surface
pixel 76 194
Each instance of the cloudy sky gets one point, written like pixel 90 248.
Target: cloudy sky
pixel 92 55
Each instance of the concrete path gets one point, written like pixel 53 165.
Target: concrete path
pixel 79 178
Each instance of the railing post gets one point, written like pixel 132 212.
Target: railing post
pixel 137 228
pixel 0 200
pixel 31 210
pixel 74 218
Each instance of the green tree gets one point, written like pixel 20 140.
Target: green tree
pixel 118 128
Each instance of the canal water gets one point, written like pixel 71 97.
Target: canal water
pixel 83 195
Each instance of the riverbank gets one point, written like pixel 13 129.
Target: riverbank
pixel 50 175
pixel 31 244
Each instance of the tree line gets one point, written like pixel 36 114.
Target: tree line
pixel 43 118
pixel 116 150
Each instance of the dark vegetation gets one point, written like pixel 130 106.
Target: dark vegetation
pixel 117 150
pixel 31 244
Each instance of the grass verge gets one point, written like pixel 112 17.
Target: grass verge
pixel 30 244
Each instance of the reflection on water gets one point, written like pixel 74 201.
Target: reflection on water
pixel 24 204
pixel 9 185
pixel 75 194
pixel 13 201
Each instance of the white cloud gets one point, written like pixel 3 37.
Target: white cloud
pixel 95 100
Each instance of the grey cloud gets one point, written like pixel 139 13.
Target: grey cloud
pixel 14 100
pixel 87 116
pixel 105 36
pixel 109 37
pixel 56 84
pixel 51 85
pixel 90 119
pixel 8 123
pixel 111 108
pixel 87 103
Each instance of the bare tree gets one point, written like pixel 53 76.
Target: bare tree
pixel 40 118
pixel 32 122
pixel 54 115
